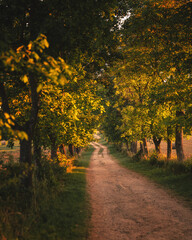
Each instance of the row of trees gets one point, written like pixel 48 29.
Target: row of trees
pixel 50 52
pixel 46 101
pixel 54 58
pixel 152 82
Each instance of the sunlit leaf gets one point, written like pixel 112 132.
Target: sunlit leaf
pixel 62 79
pixel 39 88
pixel 24 78
pixel 6 115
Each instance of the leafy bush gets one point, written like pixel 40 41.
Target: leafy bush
pixel 138 156
pixel 188 165
pixel 21 207
pixel 153 159
pixel 180 167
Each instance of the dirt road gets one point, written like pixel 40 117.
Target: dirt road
pixel 127 206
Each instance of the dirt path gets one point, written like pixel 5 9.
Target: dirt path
pixel 127 206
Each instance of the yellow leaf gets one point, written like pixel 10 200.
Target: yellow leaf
pixel 173 69
pixel 11 122
pixel 6 115
pixel 19 49
pixel 12 117
pixel 30 45
pixel 62 80
pixel 46 43
pixel 39 88
pixel 24 135
pixel 24 79
pixel 1 123
pixel 7 125
pixel 31 61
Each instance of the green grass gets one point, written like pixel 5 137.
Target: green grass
pixel 59 209
pixel 66 216
pixel 179 184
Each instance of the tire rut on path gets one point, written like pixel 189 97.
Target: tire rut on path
pixel 127 206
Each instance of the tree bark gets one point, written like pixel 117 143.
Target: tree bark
pixel 134 147
pixel 71 149
pixel 26 157
pixel 179 143
pixel 169 143
pixel 145 148
pixel 33 22
pixel 157 142
pixel 54 146
pixel 179 139
pixel 28 126
pixel 37 148
pixel 62 149
pixel 77 150
pixel 26 151
pixel 141 147
pixel 53 150
pixel 127 146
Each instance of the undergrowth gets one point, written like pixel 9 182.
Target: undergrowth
pixel 55 208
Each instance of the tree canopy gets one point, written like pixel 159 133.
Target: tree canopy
pixel 64 63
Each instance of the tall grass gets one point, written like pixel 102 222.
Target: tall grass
pixel 57 206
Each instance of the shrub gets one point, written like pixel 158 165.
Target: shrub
pixel 20 208
pixel 138 156
pixel 188 165
pixel 153 159
pixel 157 160
pixel 176 167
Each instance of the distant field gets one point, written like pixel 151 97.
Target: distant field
pixel 3 147
pixel 187 144
pixel 7 153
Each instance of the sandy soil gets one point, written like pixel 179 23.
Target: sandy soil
pixel 127 206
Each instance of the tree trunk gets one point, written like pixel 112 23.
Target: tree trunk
pixel 145 148
pixel 127 146
pixel 37 148
pixel 54 146
pixel 33 22
pixel 71 149
pixel 77 150
pixel 26 151
pixel 179 139
pixel 37 154
pixel 179 143
pixel 62 149
pixel 134 147
pixel 53 151
pixel 141 147
pixel 169 144
pixel 26 157
pixel 28 127
pixel 157 142
pixel 169 149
